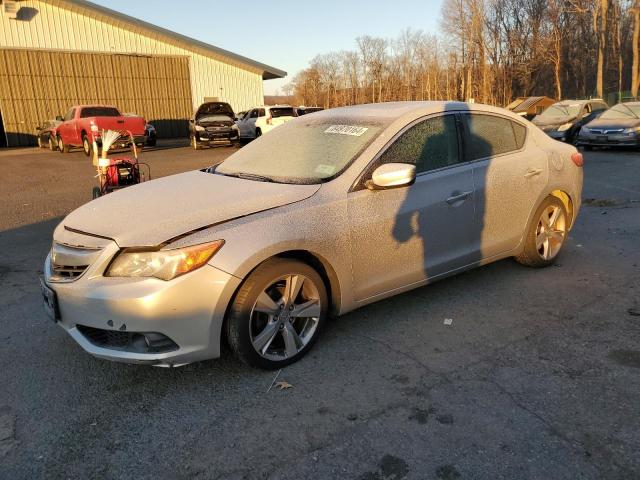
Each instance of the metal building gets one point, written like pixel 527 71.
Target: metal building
pixel 58 53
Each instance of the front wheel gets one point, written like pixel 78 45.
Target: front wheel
pixel 277 314
pixel 62 146
pixel 86 145
pixel 546 235
pixel 52 145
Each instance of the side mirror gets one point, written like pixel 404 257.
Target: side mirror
pixel 59 118
pixel 392 175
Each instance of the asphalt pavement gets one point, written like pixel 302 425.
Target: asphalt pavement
pixel 536 377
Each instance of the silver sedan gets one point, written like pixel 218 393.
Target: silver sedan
pixel 328 213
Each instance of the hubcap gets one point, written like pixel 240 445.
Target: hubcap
pixel 550 232
pixel 285 317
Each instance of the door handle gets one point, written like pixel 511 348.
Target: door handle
pixel 458 197
pixel 532 172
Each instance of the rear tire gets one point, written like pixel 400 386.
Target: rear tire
pixel 545 235
pixel 268 328
pixel 40 144
pixel 52 146
pixel 258 132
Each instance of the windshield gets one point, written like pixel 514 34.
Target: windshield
pixel 562 110
pixel 99 112
pixel 623 110
pixel 302 151
pixel 281 112
pixel 215 109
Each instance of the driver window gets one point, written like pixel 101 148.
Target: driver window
pixel 254 114
pixel 429 145
pixel 261 112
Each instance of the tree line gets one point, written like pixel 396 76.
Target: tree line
pixel 490 51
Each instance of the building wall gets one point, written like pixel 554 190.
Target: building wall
pixel 37 85
pixel 45 25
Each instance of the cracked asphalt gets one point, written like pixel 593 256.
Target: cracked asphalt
pixel 538 376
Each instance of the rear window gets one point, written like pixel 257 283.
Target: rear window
pixel 282 112
pixel 99 112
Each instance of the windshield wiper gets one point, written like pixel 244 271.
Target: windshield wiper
pixel 248 176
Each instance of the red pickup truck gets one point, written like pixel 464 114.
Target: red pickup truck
pixel 84 123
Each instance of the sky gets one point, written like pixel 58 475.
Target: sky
pixel 284 34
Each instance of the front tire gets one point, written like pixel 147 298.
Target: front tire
pixel 545 235
pixel 86 145
pixel 62 146
pixel 52 146
pixel 277 314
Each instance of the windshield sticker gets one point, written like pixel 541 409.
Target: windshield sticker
pixel 346 130
pixel 325 169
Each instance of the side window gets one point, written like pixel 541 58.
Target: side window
pixel 254 114
pixel 489 135
pixel 430 144
pixel 261 112
pixel 520 132
pixel 70 114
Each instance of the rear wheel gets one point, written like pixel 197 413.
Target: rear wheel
pixel 194 143
pixel 52 145
pixel 277 314
pixel 258 132
pixel 546 234
pixel 40 144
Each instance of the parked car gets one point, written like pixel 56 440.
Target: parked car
pixel 302 110
pixel 261 120
pixel 84 123
pixel 319 217
pixel 151 135
pixel 46 133
pixel 563 120
pixel 618 126
pixel 212 124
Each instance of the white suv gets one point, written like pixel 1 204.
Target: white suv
pixel 260 120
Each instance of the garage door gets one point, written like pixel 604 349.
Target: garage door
pixel 37 85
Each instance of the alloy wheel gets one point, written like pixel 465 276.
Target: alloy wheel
pixel 285 317
pixel 551 232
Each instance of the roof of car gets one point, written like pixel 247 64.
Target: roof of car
pixel 391 110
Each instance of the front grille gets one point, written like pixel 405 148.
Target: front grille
pixel 600 131
pixel 67 272
pixel 128 341
pixel 70 262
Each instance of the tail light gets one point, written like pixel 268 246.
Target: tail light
pixel 269 120
pixel 577 158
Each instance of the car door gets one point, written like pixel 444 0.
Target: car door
pixel 404 236
pixel 509 176
pixel 242 124
pixel 65 127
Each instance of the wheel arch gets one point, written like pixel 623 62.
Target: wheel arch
pixel 566 200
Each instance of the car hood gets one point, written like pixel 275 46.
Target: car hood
pixel 552 121
pixel 614 123
pixel 153 212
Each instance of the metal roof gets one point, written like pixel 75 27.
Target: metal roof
pixel 529 102
pixel 130 23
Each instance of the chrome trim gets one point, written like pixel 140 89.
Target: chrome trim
pixel 68 263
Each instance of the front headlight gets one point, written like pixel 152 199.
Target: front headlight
pixel 199 128
pixel 162 264
pixel 631 131
pixel 565 127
